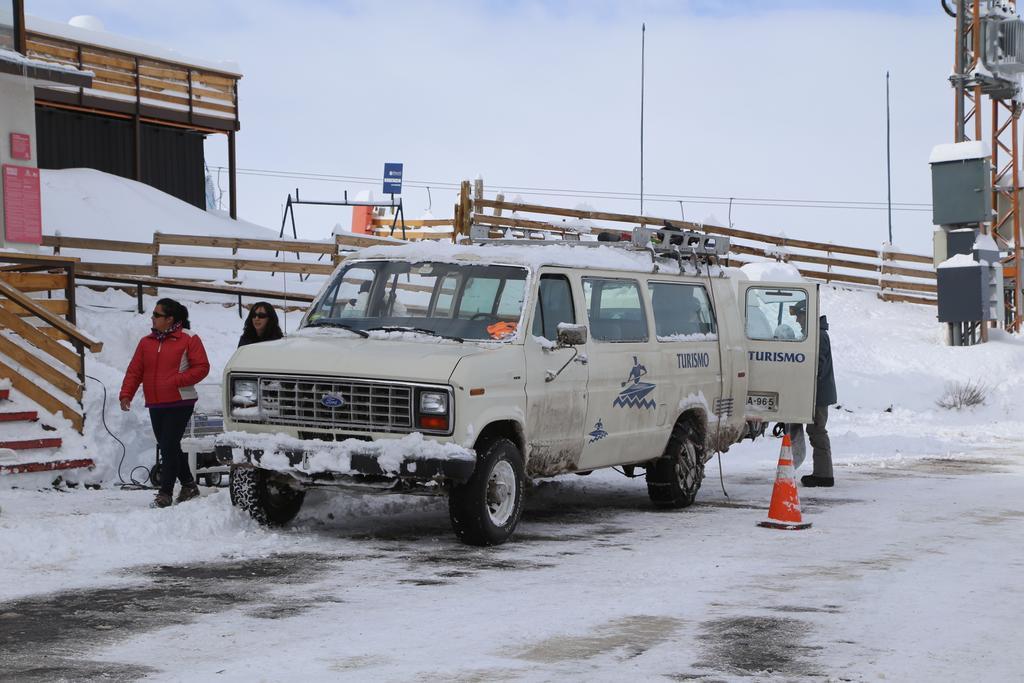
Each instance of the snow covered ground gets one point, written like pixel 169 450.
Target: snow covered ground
pixel 910 572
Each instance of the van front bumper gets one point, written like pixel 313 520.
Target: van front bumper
pixel 364 462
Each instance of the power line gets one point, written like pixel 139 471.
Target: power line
pixel 767 202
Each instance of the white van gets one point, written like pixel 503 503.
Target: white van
pixel 463 370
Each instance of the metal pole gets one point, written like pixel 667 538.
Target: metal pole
pixel 888 155
pixel 232 177
pixel 643 49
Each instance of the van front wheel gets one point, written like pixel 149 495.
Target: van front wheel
pixel 269 502
pixel 486 509
pixel 674 478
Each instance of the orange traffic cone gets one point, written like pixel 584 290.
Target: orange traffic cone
pixel 784 511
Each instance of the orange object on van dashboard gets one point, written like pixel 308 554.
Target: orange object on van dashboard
pixel 502 330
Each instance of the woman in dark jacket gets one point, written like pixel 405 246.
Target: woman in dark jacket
pixel 261 325
pixel 168 363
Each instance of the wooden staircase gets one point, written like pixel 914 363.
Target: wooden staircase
pixel 38 453
pixel 44 373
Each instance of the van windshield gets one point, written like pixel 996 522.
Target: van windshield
pixel 450 300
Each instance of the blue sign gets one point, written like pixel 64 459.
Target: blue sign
pixel 392 178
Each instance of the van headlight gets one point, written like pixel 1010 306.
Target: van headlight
pixel 244 393
pixel 433 402
pixel 434 411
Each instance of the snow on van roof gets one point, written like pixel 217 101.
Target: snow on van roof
pixel 532 255
pixel 773 271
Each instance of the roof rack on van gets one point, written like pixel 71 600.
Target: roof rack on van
pixel 670 242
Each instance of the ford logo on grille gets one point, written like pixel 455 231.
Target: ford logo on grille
pixel 332 401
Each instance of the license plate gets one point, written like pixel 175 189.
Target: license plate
pixel 766 402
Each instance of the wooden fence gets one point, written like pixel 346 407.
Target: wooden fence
pixel 289 256
pixel 422 229
pixel 896 275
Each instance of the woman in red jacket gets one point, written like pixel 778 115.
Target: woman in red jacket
pixel 168 363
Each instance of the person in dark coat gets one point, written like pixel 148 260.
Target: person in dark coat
pixel 825 396
pixel 261 325
pixel 168 363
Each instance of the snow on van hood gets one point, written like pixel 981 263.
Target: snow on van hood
pixel 344 354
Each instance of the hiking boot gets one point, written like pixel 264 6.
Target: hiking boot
pixel 188 492
pixel 162 500
pixel 811 481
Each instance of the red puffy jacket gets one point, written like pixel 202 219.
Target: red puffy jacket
pixel 168 370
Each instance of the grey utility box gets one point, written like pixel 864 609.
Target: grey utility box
pixel 961 184
pixel 964 293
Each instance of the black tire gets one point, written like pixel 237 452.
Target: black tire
pixel 154 476
pixel 481 511
pixel 674 479
pixel 268 501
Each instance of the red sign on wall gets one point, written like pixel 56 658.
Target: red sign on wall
pixel 21 147
pixel 23 215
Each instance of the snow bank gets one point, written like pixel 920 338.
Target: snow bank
pixel 82 202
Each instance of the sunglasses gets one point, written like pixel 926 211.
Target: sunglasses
pixel 154 314
pixel 260 315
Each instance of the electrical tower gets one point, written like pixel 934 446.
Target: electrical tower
pixel 989 60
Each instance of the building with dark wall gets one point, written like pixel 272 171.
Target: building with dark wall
pixel 171 159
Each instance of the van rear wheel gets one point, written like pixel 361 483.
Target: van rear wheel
pixel 486 509
pixel 674 479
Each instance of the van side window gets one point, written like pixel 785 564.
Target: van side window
pixel 554 305
pixel 680 311
pixel 776 313
pixel 615 310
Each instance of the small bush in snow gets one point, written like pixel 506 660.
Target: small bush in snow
pixel 963 395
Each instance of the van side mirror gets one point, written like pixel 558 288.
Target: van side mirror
pixel 572 335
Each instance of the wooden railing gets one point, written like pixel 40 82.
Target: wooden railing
pixel 34 350
pixel 418 229
pixel 197 95
pixel 897 276
pixel 141 283
pixel 290 256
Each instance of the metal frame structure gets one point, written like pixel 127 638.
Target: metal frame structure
pixel 970 87
pixel 290 211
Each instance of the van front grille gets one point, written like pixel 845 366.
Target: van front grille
pixel 335 404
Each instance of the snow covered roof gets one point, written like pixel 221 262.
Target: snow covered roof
pixel 959 151
pixel 113 41
pixel 18 64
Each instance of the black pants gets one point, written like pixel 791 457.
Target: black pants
pixel 168 428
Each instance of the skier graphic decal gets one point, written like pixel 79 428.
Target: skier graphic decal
pixel 633 394
pixel 598 432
